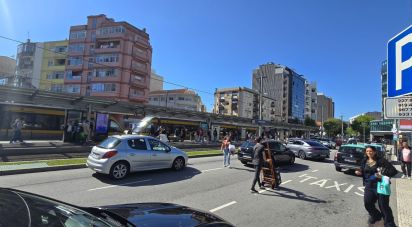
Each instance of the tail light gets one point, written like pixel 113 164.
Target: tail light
pixel 110 154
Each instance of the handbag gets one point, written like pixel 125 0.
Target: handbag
pixel 384 186
pixel 389 170
pixel 232 149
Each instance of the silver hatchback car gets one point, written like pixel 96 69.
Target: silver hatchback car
pixel 308 149
pixel 119 155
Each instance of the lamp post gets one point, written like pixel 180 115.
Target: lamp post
pixel 341 119
pixel 260 102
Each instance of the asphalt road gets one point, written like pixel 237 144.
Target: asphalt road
pixel 312 193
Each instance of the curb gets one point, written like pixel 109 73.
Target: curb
pixel 68 167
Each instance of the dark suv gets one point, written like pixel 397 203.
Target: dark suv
pixel 349 156
pixel 279 151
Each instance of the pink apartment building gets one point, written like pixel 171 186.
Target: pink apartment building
pixel 109 59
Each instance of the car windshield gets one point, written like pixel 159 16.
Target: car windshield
pixel 313 143
pixel 352 150
pixel 109 143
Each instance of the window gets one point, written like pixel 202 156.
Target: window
pixel 73 88
pixel 60 62
pixel 94 23
pixel 56 75
pixel 107 58
pixel 99 87
pixel 75 61
pixel 170 98
pixel 111 30
pixel 109 143
pixel 181 98
pixel 156 145
pixel 78 35
pixel 138 144
pixel 136 92
pixel 56 88
pixel 60 49
pixel 50 62
pixel 138 78
pixel 155 99
pixel 106 73
pixel 76 47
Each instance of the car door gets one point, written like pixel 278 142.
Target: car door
pixel 291 146
pixel 283 152
pixel 161 156
pixel 138 154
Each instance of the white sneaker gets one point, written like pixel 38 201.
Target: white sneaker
pixel 403 176
pixel 409 178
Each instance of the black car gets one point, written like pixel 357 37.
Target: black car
pixel 279 151
pixel 18 208
pixel 349 156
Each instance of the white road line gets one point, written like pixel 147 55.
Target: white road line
pixel 286 182
pixel 223 206
pixel 207 170
pixel 314 171
pixel 112 186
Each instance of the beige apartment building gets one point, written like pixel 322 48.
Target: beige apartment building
pixel 109 59
pixel 29 63
pixel 156 81
pixel 7 70
pixel 53 66
pixel 243 102
pixel 178 99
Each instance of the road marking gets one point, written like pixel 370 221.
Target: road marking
pixel 112 186
pixel 223 206
pixel 349 188
pixel 314 171
pixel 286 182
pixel 210 170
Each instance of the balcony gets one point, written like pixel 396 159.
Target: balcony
pixel 107 47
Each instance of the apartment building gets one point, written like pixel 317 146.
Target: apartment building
pixel 178 99
pixel 285 87
pixel 7 70
pixel 326 108
pixel 156 81
pixel 53 66
pixel 109 59
pixel 243 102
pixel 28 65
pixel 311 100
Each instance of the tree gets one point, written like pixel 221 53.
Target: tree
pixel 350 132
pixel 333 127
pixel 310 122
pixel 360 123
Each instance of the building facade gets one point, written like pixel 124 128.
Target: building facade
pixel 28 65
pixel 156 81
pixel 177 99
pixel 325 109
pixel 7 70
pixel 311 100
pixel 53 66
pixel 109 59
pixel 376 115
pixel 384 81
pixel 243 102
pixel 285 87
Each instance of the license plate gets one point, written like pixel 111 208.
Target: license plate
pixel 350 160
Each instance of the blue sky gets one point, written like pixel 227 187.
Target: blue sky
pixel 206 44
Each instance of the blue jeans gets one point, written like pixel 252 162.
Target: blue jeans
pixel 226 157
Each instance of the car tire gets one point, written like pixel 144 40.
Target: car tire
pixel 291 160
pixel 302 155
pixel 339 169
pixel 178 164
pixel 119 170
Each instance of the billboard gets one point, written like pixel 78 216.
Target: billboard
pixel 102 123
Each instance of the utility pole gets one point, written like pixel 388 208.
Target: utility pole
pixel 321 125
pixel 260 103
pixel 341 119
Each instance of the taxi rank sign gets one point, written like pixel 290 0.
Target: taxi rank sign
pixel 399 76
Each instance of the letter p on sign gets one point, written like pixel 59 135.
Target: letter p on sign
pixel 400 64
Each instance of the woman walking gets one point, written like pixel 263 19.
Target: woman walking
pixel 226 152
pixel 371 176
pixel 404 155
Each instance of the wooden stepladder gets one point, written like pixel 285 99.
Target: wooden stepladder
pixel 268 174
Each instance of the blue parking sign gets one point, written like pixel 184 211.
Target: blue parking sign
pixel 400 64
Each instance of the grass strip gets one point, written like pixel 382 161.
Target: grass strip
pixel 74 161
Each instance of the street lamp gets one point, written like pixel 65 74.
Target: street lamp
pixel 260 102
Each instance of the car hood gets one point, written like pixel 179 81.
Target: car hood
pixel 165 214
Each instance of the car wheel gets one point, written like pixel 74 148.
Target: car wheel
pixel 178 163
pixel 119 170
pixel 339 169
pixel 302 155
pixel 291 160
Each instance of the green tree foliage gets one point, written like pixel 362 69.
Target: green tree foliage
pixel 333 127
pixel 350 132
pixel 359 123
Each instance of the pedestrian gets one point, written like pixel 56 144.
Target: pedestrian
pixel 226 152
pixel 404 155
pixel 163 136
pixel 17 126
pixel 86 130
pixel 215 135
pixel 257 162
pixel 371 175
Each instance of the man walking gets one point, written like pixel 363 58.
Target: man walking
pixel 17 126
pixel 258 162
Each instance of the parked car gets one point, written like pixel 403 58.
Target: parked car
pixel 280 152
pixel 327 143
pixel 119 155
pixel 19 208
pixel 308 149
pixel 349 156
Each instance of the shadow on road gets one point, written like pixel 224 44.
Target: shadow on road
pixel 323 161
pixel 293 168
pixel 293 194
pixel 156 177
